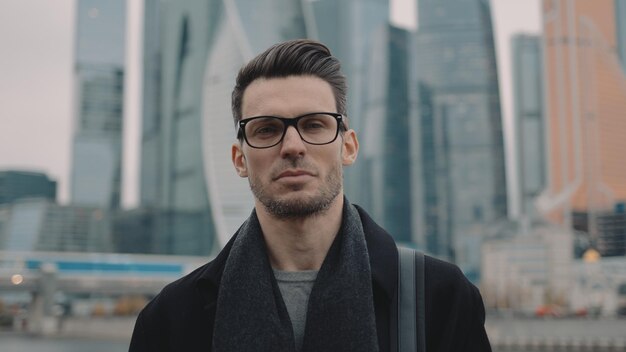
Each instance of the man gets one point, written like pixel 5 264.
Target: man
pixel 307 271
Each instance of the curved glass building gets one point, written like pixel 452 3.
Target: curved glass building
pixel 192 52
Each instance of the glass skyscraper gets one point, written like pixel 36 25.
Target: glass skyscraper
pixel 151 146
pixel 348 28
pixel 385 152
pixel 99 87
pixel 241 30
pixel 187 174
pixel 529 121
pixel 462 186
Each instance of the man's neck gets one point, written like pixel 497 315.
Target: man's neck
pixel 301 243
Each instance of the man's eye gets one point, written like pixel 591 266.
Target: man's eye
pixel 265 130
pixel 312 125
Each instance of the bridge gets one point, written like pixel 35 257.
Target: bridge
pixel 44 274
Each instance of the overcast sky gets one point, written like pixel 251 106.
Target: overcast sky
pixel 36 89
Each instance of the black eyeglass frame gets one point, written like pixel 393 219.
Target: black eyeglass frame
pixel 289 122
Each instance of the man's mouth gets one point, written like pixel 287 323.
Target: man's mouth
pixel 293 174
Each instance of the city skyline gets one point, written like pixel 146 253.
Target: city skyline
pixel 57 139
pixel 436 168
pixel 459 150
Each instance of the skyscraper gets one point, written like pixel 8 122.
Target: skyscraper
pixel 586 95
pixel 36 224
pixel 151 145
pixel 462 186
pixel 529 121
pixel 349 29
pixel 99 86
pixel 22 184
pixel 385 153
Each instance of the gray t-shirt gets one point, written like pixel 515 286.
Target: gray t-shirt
pixel 295 287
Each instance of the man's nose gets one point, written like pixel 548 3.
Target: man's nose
pixel 292 144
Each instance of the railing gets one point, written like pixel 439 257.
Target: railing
pixel 88 272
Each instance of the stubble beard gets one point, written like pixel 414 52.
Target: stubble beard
pixel 299 207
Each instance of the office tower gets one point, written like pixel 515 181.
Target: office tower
pixel 385 152
pixel 611 233
pixel 132 230
pixel 529 121
pixel 99 86
pixel 586 100
pixel 191 61
pixel 462 179
pixel 348 28
pixel 151 146
pixel 23 184
pixel 36 224
pixel 240 33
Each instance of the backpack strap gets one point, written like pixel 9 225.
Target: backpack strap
pixel 411 301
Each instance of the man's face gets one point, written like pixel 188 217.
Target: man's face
pixel 293 179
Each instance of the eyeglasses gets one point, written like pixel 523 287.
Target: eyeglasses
pixel 316 128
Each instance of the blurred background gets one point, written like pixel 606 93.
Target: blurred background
pixel 493 135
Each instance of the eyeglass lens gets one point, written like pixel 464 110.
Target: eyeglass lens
pixel 313 129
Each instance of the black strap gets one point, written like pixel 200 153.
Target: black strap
pixel 421 302
pixel 411 317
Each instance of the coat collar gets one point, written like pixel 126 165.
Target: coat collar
pixel 380 245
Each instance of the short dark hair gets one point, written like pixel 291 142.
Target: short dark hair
pixel 298 57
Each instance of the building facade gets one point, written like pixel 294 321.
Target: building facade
pixel 187 176
pixel 352 30
pixel 151 145
pixel 461 173
pixel 99 95
pixel 529 121
pixel 22 184
pixel 586 95
pixel 611 230
pixel 36 224
pixel 385 152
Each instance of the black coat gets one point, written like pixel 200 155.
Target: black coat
pixel 181 317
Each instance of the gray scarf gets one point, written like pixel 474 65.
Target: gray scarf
pixel 251 314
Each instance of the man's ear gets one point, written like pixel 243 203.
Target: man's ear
pixel 350 148
pixel 239 160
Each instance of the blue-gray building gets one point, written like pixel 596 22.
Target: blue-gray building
pixel 462 187
pixel 151 145
pixel 350 28
pixel 187 176
pixel 16 184
pixel 529 120
pixel 385 134
pixel 99 79
pixel 37 224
